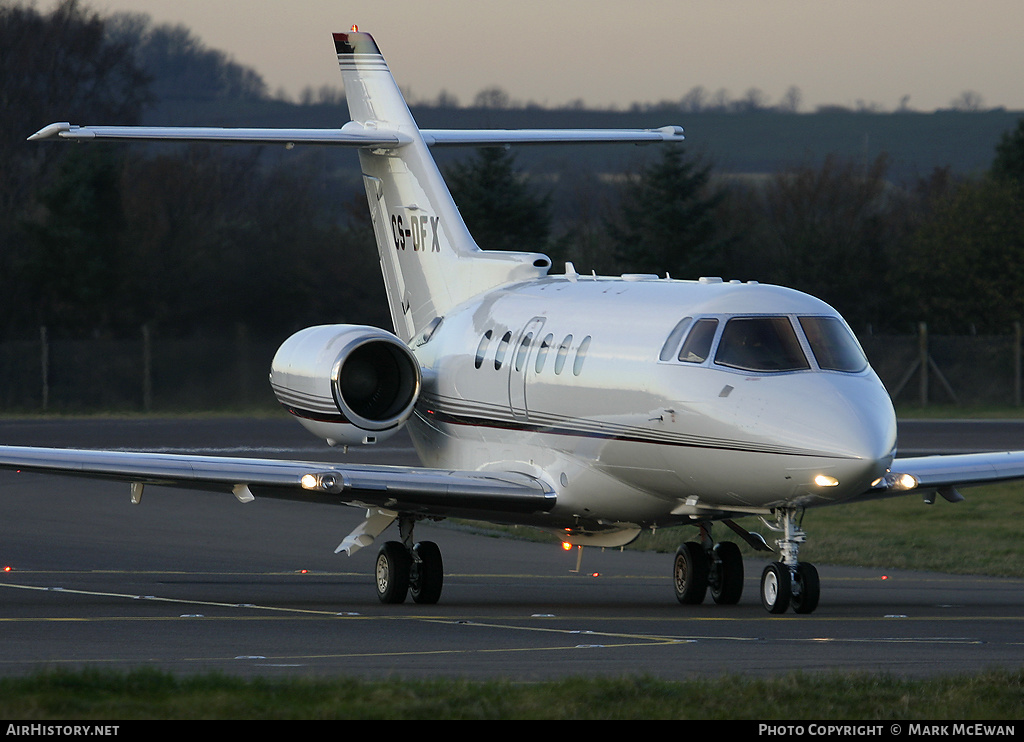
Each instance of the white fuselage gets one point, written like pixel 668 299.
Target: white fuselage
pixel 566 378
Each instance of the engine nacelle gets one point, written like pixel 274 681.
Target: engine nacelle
pixel 348 384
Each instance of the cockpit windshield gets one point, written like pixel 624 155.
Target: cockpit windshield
pixel 761 344
pixel 833 347
pixel 766 344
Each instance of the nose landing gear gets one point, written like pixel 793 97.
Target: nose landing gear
pixel 790 582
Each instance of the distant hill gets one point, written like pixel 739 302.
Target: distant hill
pixel 193 84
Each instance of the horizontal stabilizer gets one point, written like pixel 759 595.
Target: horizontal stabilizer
pixel 353 134
pixel 350 135
pixel 490 137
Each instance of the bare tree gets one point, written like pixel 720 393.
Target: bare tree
pixel 791 100
pixel 969 101
pixel 493 97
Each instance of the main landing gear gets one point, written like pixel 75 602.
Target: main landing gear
pixel 704 566
pixel 409 568
pixel 718 568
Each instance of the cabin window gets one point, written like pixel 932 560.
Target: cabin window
pixel 761 344
pixel 698 343
pixel 563 353
pixel 834 348
pixel 542 352
pixel 524 350
pixel 481 349
pixel 581 356
pixel 668 350
pixel 499 357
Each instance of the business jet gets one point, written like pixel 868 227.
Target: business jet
pixel 590 407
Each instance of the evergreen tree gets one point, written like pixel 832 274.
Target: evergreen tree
pixel 666 221
pixel 1009 160
pixel 967 260
pixel 74 260
pixel 501 211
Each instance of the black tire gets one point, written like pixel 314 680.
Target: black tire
pixel 427 575
pixel 690 574
pixel 776 587
pixel 392 572
pixel 808 588
pixel 727 574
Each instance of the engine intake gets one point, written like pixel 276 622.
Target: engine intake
pixel 347 384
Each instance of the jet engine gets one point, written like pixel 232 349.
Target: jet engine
pixel 348 384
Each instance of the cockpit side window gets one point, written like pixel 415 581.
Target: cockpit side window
pixel 698 343
pixel 761 344
pixel 833 346
pixel 668 350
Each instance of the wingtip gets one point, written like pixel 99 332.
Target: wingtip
pixel 672 133
pixel 50 131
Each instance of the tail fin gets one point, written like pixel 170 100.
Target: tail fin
pixel 429 259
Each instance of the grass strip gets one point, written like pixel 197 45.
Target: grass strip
pixel 151 694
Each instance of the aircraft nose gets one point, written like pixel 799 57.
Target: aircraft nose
pixel 856 430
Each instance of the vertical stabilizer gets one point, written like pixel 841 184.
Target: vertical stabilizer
pixel 429 260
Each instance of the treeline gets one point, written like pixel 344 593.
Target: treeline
pixel 99 240
pixel 943 249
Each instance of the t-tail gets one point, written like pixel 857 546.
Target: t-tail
pixel 429 259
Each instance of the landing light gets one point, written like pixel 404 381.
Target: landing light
pixel 566 546
pixel 309 482
pixel 907 481
pixel 895 481
pixel 824 480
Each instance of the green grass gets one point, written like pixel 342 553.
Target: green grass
pixel 148 694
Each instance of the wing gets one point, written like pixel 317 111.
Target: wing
pixel 428 492
pixel 353 134
pixel 944 474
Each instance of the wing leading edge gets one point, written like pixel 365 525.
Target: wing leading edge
pixel 418 491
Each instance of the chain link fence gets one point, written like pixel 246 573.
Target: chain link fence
pixel 214 373
pixel 229 372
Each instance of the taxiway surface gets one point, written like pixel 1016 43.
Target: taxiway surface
pixel 192 582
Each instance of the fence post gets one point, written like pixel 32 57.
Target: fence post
pixel 1016 362
pixel 147 369
pixel 44 360
pixel 922 353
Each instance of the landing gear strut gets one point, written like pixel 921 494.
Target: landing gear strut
pixel 790 582
pixel 407 567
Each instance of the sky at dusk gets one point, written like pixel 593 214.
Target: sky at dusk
pixel 843 52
